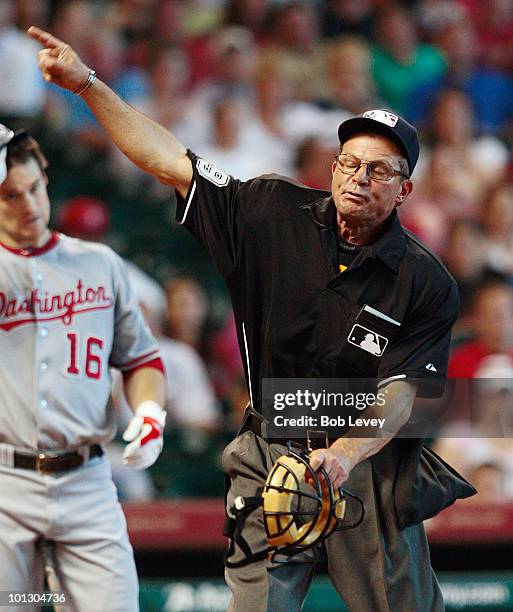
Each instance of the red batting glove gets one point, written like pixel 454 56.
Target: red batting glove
pixel 144 432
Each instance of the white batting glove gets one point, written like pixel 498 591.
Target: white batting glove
pixel 144 432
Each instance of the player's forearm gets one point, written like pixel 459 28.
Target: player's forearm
pixel 393 414
pixel 146 384
pixel 146 143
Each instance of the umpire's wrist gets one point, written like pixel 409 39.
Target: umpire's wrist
pixel 91 78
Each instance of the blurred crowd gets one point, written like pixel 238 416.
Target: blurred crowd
pixel 260 86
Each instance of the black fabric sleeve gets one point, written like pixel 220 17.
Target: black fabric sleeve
pixel 210 211
pixel 421 349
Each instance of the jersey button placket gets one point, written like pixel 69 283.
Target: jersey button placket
pixel 36 274
pixel 37 278
pixel 43 330
pixel 43 366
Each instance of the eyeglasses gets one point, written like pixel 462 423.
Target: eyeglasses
pixel 379 170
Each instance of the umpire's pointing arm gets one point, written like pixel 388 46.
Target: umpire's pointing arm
pixel 144 142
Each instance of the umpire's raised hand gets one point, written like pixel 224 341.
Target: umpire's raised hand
pixel 144 142
pixel 58 62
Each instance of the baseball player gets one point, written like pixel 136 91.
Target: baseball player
pixel 67 314
pixel 310 274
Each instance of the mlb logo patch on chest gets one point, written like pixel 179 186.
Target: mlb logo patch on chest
pixel 367 340
pixel 212 173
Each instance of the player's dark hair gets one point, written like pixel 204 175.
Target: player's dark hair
pixel 22 148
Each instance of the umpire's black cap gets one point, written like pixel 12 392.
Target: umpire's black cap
pixel 388 124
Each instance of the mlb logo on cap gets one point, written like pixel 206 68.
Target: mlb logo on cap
pixel 384 116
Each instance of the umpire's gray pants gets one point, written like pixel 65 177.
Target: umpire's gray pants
pixel 375 567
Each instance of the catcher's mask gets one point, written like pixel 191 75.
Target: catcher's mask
pixel 287 506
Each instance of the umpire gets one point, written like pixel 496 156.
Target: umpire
pixel 305 269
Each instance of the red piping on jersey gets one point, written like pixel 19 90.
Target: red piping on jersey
pixel 30 252
pixel 154 363
pixel 134 362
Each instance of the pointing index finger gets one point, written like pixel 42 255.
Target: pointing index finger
pixel 45 38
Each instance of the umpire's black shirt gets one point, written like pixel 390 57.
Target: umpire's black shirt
pixel 274 241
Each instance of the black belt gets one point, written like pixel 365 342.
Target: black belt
pixel 253 422
pixel 49 463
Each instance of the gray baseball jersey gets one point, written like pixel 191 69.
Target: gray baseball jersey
pixel 67 314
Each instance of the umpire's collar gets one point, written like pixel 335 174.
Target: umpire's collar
pixel 390 246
